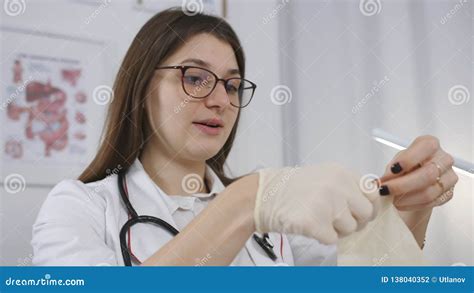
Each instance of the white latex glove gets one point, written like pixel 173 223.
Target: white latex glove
pixel 323 202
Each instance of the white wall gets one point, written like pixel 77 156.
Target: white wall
pixel 116 24
pixel 259 141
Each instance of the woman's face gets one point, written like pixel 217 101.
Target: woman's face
pixel 177 119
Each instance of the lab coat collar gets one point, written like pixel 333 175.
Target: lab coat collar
pixel 146 197
pixel 187 202
pixel 213 182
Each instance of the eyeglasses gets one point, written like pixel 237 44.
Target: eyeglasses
pixel 199 83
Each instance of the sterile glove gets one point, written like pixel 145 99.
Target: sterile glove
pixel 323 202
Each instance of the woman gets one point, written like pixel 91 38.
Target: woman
pixel 177 101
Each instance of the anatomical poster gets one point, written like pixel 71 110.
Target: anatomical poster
pixel 48 114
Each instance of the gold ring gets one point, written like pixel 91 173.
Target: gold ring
pixel 440 172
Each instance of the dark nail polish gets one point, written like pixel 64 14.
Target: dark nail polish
pixel 396 168
pixel 383 190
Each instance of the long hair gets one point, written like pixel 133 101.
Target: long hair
pixel 126 123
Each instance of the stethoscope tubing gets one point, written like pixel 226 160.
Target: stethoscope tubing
pixel 135 219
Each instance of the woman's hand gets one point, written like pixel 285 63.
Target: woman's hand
pixel 420 177
pixel 323 202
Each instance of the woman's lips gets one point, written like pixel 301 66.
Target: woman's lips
pixel 208 129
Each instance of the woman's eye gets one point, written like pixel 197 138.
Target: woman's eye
pixel 231 89
pixel 193 80
pixel 233 86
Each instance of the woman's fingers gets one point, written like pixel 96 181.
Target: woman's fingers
pixel 440 200
pixel 345 223
pixel 421 149
pixel 429 194
pixel 324 234
pixel 420 176
pixel 419 179
pixel 362 209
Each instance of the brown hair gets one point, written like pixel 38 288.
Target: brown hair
pixel 126 123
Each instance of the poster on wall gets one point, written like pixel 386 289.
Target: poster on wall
pixel 49 118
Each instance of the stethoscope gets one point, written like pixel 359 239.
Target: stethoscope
pixel 134 218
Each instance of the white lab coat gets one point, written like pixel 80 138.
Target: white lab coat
pixel 79 224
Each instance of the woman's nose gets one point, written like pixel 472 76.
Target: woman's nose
pixel 218 97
